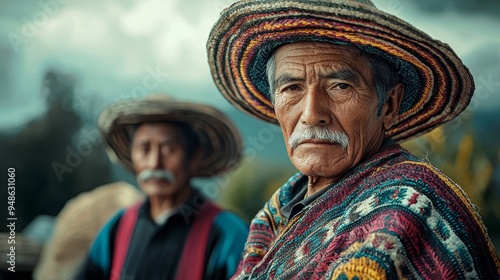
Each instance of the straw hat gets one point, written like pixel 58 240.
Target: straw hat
pixel 438 87
pixel 217 135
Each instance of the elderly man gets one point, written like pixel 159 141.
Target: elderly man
pixel 345 81
pixel 175 233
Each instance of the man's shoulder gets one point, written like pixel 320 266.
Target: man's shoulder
pixel 410 170
pixel 229 217
pixel 230 228
pixel 408 180
pixel 228 221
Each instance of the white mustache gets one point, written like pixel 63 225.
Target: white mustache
pixel 147 174
pixel 318 133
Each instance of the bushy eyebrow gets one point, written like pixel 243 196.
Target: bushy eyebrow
pixel 286 78
pixel 344 74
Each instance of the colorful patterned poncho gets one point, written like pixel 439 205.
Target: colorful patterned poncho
pixel 393 216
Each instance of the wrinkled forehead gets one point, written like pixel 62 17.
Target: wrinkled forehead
pixel 318 48
pixel 323 56
pixel 160 130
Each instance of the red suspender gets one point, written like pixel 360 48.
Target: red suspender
pixel 123 235
pixel 192 263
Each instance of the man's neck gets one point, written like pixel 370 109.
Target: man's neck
pixel 160 204
pixel 316 184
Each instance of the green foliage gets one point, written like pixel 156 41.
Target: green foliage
pixel 252 184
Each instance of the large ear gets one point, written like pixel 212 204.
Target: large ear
pixel 391 107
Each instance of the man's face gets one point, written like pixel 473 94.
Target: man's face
pixel 327 86
pixel 159 146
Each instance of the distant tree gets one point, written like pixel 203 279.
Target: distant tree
pixel 54 156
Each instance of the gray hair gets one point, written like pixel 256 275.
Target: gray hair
pixel 271 76
pixel 385 77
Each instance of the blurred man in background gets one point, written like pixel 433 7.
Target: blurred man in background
pixel 175 233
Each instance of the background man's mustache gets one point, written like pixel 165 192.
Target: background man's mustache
pixel 156 174
pixel 319 133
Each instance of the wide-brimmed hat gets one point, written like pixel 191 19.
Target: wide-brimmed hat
pixel 438 87
pixel 217 135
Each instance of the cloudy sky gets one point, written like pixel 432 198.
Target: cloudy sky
pixel 113 45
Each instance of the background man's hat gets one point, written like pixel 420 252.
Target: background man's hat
pixel 438 87
pixel 218 136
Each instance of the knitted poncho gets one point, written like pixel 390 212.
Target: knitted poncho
pixel 393 216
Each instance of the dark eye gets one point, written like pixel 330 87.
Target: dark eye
pixel 343 86
pixel 292 88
